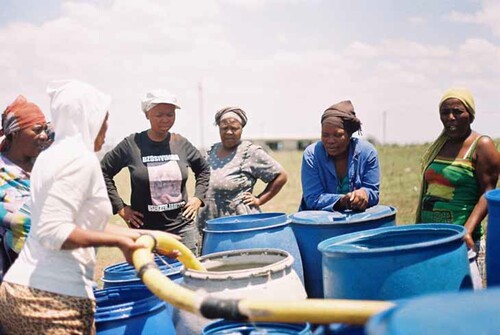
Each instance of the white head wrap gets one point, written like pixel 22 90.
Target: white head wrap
pixel 155 97
pixel 78 110
pixel 230 115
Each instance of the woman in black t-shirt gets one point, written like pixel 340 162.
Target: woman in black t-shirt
pixel 158 162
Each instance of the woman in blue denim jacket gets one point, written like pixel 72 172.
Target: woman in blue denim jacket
pixel 340 171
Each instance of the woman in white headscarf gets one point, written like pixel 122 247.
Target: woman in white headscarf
pixel 48 289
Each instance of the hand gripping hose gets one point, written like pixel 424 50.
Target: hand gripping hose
pixel 318 311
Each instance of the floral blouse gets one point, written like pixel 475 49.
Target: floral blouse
pixel 234 175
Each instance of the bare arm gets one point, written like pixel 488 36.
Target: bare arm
pixel 135 233
pixel 113 236
pixel 487 166
pixel 80 238
pixel 272 188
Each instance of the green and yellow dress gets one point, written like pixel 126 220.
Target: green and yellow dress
pixel 451 190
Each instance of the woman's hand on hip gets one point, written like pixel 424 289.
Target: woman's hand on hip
pixel 469 241
pixel 191 208
pixel 131 217
pixel 250 200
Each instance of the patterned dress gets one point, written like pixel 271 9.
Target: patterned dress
pixel 14 209
pixel 234 175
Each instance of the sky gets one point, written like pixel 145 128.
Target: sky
pixel 282 61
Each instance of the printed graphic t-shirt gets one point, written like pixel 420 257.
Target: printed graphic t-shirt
pixel 158 175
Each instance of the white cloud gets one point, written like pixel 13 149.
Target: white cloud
pixel 417 20
pixel 126 47
pixel 488 15
pixel 258 4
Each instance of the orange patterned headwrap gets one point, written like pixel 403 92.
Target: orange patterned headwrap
pixel 20 114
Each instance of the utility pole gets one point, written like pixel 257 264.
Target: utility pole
pixel 384 121
pixel 202 121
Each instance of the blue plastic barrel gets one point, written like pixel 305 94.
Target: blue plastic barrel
pixel 395 262
pixel 131 309
pixel 464 313
pixel 123 274
pixel 493 238
pixel 260 230
pixel 255 328
pixel 312 227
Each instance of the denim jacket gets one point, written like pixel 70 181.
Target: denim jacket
pixel 319 178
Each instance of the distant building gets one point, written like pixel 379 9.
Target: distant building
pixel 283 144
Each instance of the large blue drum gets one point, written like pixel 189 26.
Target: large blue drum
pixel 493 238
pixel 395 262
pixel 132 310
pixel 261 230
pixel 312 227
pixel 464 313
pixel 124 274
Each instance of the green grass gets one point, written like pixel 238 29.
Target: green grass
pixel 400 181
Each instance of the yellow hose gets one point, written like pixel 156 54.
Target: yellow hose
pixel 155 280
pixel 319 311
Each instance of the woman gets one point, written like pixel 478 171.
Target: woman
pixel 235 166
pixel 48 289
pixel 158 162
pixel 25 131
pixel 340 171
pixel 458 168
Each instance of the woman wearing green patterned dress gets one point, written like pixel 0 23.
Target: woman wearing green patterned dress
pixel 458 168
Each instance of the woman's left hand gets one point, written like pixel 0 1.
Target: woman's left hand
pixel 358 199
pixel 250 200
pixel 469 241
pixel 191 208
pixel 127 245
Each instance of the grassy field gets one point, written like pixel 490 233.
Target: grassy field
pixel 400 180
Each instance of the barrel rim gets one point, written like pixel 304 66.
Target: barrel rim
pixel 130 273
pixel 325 245
pixel 207 230
pixel 212 328
pixel 451 301
pixel 493 195
pixel 282 265
pixel 246 222
pixel 265 216
pixel 127 309
pixel 393 212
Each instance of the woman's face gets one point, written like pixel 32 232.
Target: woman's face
pixel 335 139
pixel 161 117
pixel 230 132
pixel 455 118
pixel 31 140
pixel 101 136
